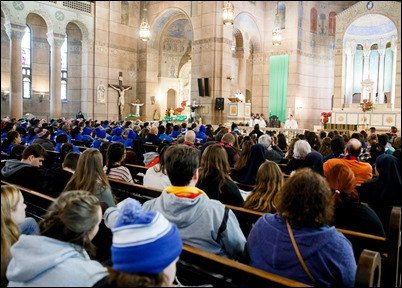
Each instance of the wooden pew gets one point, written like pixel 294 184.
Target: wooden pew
pixel 196 267
pixel 150 147
pixel 123 190
pixel 137 172
pixel 37 203
pixel 197 264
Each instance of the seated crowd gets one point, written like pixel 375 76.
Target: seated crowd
pixel 306 187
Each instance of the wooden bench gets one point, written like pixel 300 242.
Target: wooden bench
pixel 199 265
pixel 137 172
pixel 196 267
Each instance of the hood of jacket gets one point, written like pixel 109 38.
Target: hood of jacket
pixel 182 211
pixel 12 166
pixel 35 256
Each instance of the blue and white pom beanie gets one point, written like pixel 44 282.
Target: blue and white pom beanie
pixel 143 242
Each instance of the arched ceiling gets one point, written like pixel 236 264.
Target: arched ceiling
pixel 371 26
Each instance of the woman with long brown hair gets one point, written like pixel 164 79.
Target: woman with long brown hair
pixel 214 176
pixel 89 176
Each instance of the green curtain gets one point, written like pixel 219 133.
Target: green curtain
pixel 278 86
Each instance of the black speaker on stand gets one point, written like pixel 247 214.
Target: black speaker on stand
pixel 206 86
pixel 219 103
pixel 200 88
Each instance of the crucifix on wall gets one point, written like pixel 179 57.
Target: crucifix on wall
pixel 121 90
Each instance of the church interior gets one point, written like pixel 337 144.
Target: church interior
pixel 175 60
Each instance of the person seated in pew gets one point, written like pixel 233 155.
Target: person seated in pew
pixel 60 254
pixel 61 140
pixel 89 176
pixel 200 220
pixel 263 197
pixel 272 152
pixel 146 258
pixel 227 143
pixel 114 168
pixel 43 139
pixel 214 177
pixel 87 134
pixel 13 224
pixel 156 176
pixel 362 170
pixel 349 213
pixel 248 174
pixel 301 223
pixel 12 138
pixel 57 179
pixel 383 192
pixel 27 172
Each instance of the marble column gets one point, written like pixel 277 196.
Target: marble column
pixel 366 63
pixel 381 52
pixel 349 74
pixel 15 33
pixel 55 40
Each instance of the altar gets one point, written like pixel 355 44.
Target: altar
pixel 359 120
pixel 239 111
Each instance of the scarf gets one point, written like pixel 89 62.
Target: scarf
pixel 350 157
pixel 226 145
pixel 185 191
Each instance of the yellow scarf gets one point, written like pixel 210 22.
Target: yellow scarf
pixel 185 191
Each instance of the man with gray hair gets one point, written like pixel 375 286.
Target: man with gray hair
pixel 272 152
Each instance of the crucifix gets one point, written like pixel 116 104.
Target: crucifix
pixel 121 90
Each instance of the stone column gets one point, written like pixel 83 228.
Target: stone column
pixel 381 77
pixel 349 73
pixel 15 33
pixel 366 61
pixel 55 40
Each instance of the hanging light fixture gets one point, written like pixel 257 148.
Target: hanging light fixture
pixel 145 31
pixel 276 33
pixel 228 13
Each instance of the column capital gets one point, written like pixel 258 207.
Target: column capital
pixel 15 31
pixel 56 39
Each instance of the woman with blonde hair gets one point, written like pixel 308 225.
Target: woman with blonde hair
pixel 90 176
pixel 268 184
pixel 60 255
pixel 13 224
pixel 214 178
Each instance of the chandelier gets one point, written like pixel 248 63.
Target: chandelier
pixel 228 13
pixel 145 31
pixel 276 33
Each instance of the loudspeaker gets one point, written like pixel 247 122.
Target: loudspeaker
pixel 219 104
pixel 200 88
pixel 206 86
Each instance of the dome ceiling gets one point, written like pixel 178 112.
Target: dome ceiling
pixel 371 26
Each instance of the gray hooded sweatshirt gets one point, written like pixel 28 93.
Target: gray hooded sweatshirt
pixel 198 221
pixel 40 261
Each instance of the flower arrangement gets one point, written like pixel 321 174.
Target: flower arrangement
pixel 325 117
pixel 179 109
pixel 183 103
pixel 366 105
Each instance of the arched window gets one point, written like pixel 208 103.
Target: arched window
pixel 313 20
pixel 64 66
pixel 26 64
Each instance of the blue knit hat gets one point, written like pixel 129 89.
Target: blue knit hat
pixel 143 242
pixel 117 131
pixel 100 133
pixel 86 131
pixel 131 135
